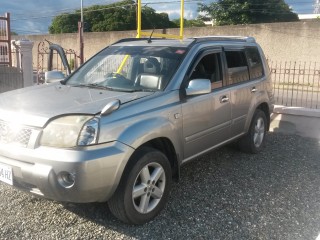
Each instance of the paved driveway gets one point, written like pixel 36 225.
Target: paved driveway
pixel 223 195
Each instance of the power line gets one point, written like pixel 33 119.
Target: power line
pixel 85 11
pixel 96 10
pixel 65 11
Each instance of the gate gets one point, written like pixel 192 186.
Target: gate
pixel 296 84
pixel 10 77
pixel 50 62
pixel 5 41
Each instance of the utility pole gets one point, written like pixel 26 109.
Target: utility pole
pixel 80 30
pixel 317 7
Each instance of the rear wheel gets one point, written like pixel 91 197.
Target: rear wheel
pixel 144 188
pixel 253 141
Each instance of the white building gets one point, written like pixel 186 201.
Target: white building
pixel 308 16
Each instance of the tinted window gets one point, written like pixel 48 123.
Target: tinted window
pixel 238 70
pixel 255 63
pixel 209 67
pixel 236 59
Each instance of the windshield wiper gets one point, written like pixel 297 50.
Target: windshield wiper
pixel 93 85
pixel 99 86
pixel 143 90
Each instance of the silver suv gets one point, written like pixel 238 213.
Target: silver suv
pixel 120 127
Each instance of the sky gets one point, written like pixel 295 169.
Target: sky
pixel 34 16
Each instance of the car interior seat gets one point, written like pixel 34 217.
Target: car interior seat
pixel 150 77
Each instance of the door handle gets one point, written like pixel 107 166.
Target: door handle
pixel 224 99
pixel 253 89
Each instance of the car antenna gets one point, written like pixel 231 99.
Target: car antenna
pixel 149 40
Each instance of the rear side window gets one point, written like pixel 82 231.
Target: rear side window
pixel 255 63
pixel 238 70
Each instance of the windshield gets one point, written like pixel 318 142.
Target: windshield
pixel 130 68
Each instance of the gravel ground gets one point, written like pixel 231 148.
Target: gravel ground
pixel 223 195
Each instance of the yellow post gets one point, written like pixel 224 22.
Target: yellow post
pixel 139 19
pixel 140 33
pixel 181 19
pixel 124 61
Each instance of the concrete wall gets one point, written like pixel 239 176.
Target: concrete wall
pixel 294 41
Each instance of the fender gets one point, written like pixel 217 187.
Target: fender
pixel 151 128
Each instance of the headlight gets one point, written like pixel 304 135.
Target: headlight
pixel 89 132
pixel 70 131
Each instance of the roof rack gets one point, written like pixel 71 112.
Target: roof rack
pixel 226 38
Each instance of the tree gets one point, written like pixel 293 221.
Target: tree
pixel 230 12
pixel 151 19
pixel 189 23
pixel 118 16
pixel 65 23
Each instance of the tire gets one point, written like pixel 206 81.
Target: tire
pixel 254 140
pixel 144 188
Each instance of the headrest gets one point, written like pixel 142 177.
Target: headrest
pixel 151 65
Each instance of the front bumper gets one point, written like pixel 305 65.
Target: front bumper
pixel 96 169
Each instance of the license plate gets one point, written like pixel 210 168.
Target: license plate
pixel 6 174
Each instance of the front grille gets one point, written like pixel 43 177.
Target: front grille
pixel 14 134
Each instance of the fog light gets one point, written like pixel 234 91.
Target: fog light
pixel 66 179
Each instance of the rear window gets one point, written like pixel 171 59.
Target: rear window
pixel 255 63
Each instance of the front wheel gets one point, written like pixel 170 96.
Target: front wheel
pixel 144 188
pixel 253 141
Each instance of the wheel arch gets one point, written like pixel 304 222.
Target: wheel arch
pixel 265 108
pixel 163 145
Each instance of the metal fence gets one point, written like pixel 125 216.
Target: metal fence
pixel 11 78
pixel 5 40
pixel 296 83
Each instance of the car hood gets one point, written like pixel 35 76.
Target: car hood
pixel 34 106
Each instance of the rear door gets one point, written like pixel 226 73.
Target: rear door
pixel 244 70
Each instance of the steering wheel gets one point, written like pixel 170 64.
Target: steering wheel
pixel 117 80
pixel 114 75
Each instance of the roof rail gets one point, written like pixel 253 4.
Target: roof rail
pixel 226 38
pixel 135 39
pixel 129 40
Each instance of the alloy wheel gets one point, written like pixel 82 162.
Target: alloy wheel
pixel 148 188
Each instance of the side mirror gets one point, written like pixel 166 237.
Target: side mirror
pixel 53 76
pixel 198 87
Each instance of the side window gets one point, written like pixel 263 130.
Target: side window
pixel 238 70
pixel 255 63
pixel 209 67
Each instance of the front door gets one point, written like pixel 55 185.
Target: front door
pixel 206 118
